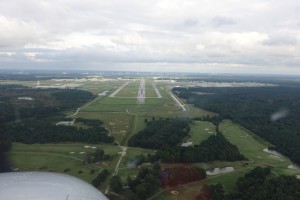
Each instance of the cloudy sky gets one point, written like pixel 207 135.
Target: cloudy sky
pixel 228 36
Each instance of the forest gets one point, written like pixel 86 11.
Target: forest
pixel 167 135
pixel 44 130
pixel 180 175
pixel 160 133
pixel 259 184
pixel 214 148
pixel 273 113
pixel 37 102
pixel 144 184
pixel 24 112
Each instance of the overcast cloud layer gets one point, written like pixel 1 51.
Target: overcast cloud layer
pixel 249 36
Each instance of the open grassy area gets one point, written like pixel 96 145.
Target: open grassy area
pixel 189 191
pixel 63 148
pixel 98 87
pixel 200 131
pixel 17 82
pixel 252 147
pixel 62 158
pixel 123 117
pixel 118 124
pixel 150 92
pixel 249 145
pixel 130 90
pixel 132 153
pixel 53 163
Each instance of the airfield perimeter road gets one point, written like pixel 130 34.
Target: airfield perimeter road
pixel 123 153
pixel 119 89
pixel 156 90
pixel 177 101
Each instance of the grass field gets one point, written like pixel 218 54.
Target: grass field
pixel 58 158
pixel 16 82
pixel 132 153
pixel 189 191
pixel 64 148
pixel 130 90
pixel 98 87
pixel 150 92
pixel 123 117
pixel 53 163
pixel 249 145
pixel 252 147
pixel 118 124
pixel 200 131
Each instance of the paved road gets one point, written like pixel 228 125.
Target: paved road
pixel 156 90
pixel 74 114
pixel 141 93
pixel 119 89
pixel 123 153
pixel 177 101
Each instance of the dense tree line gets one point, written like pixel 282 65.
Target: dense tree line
pixel 44 131
pixel 213 148
pixel 36 76
pixel 5 145
pixel 167 135
pixel 145 184
pixel 101 177
pixel 116 184
pixel 160 133
pixel 43 102
pixel 283 80
pixel 253 108
pixel 179 175
pixel 150 179
pixel 257 184
pixel 89 122
pixel 98 155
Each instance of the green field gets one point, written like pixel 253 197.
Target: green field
pixel 249 145
pixel 130 90
pixel 150 92
pixel 123 117
pixel 252 147
pixel 98 87
pixel 62 158
pixel 200 131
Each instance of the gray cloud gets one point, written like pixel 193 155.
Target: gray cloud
pixel 191 22
pixel 280 40
pixel 171 34
pixel 220 21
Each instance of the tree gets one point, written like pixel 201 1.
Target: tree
pixel 217 192
pixel 99 154
pixel 116 184
pixel 100 178
pixel 87 158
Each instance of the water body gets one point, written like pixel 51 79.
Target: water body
pixel 218 170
